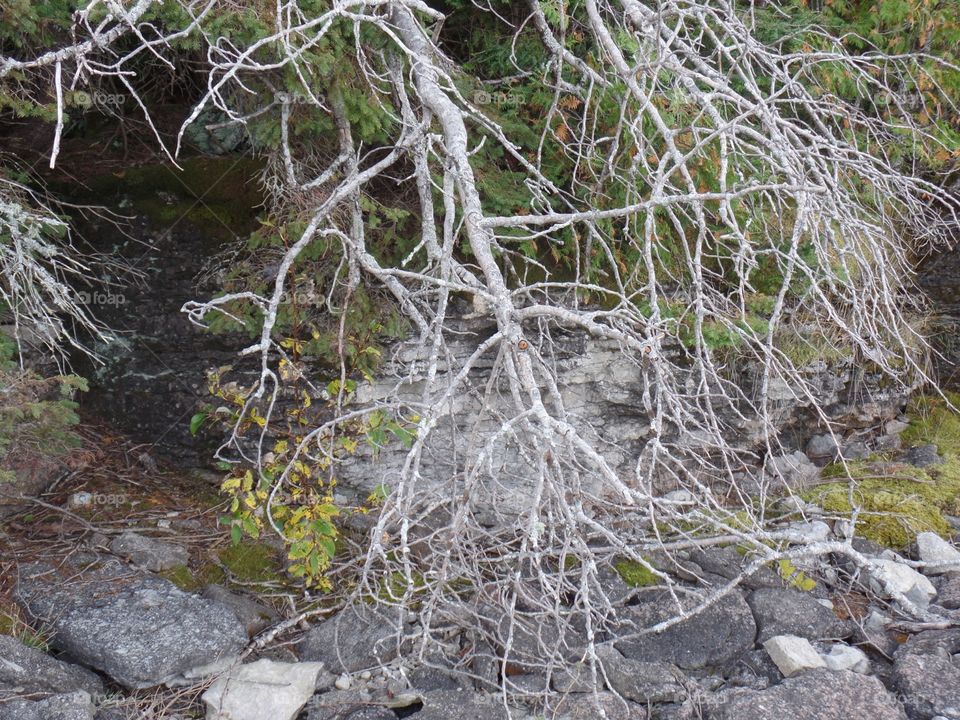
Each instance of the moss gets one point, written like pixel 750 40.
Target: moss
pixel 253 562
pixel 896 501
pixel 793 575
pixel 932 421
pixel 634 574
pixel 193 580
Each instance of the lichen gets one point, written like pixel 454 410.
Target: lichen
pixel 634 574
pixel 193 580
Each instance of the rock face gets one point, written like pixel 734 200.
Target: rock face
pixel 262 690
pixel 354 639
pixel 25 669
pixel 940 556
pixel 139 629
pixel 643 682
pixel 149 553
pixel 891 577
pixel 714 638
pixel 813 695
pixel 788 612
pixel 255 616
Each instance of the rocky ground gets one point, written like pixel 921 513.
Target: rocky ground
pixel 122 597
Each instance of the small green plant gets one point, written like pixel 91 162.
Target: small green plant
pixel 634 574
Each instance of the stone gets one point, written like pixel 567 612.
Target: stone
pixel 349 705
pixel 890 577
pixel 845 657
pixel 926 672
pixel 591 706
pixel 425 679
pixel 262 690
pixel 354 639
pixel 823 447
pixel 577 679
pixel 793 470
pixel 895 427
pixel 949 594
pixel 755 670
pixel 728 563
pixel 643 682
pixel 791 612
pixel 815 695
pixel 532 639
pixel 714 638
pixel 461 705
pixel 808 532
pixel 923 456
pixel 941 557
pixel 342 682
pixel 139 629
pixel 25 669
pixel 256 617
pixel 793 655
pixel 67 706
pixel 149 553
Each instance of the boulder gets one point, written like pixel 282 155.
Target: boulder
pixel 461 705
pixel 149 553
pixel 793 655
pixel 814 695
pixel 927 674
pixel 890 577
pixel 941 557
pixel 262 690
pixel 728 563
pixel 790 612
pixel 256 617
pixel 714 638
pixel 949 594
pixel 25 669
pixel 823 447
pixel 354 639
pixel 643 682
pixel 68 706
pixel 923 456
pixel 139 629
pixel 793 470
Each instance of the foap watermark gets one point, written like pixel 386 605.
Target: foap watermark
pixel 499 98
pixel 86 100
pixel 100 297
pixel 289 98
pixel 90 499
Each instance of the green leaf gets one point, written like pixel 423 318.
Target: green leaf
pixel 196 421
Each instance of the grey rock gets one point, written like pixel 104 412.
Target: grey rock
pixel 855 451
pixel 891 577
pixel 754 670
pixel 728 563
pixel 813 695
pixel 461 705
pixel 532 640
pixel 823 447
pixel 643 682
pixel 25 669
pixel 346 706
pixel 923 456
pixel 577 679
pixel 261 690
pixel 793 655
pixel 790 612
pixel 844 657
pixel 255 616
pixel 139 629
pixel 793 470
pixel 948 595
pixel 426 679
pixel 927 674
pixel 714 638
pixel 69 706
pixel 592 706
pixel 149 553
pixel 941 557
pixel 354 639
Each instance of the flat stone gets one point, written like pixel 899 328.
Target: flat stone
pixel 461 705
pixel 790 612
pixel 25 669
pixel 262 690
pixel 815 695
pixel 256 617
pixel 354 639
pixel 714 638
pixel 807 532
pixel 643 682
pixel 149 553
pixel 68 706
pixel 941 557
pixel 728 563
pixel 845 657
pixel 139 629
pixel 823 447
pixel 793 655
pixel 890 577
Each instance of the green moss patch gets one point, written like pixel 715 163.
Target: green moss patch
pixel 193 580
pixel 634 573
pixel 253 562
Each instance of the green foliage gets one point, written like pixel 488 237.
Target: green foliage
pixel 634 574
